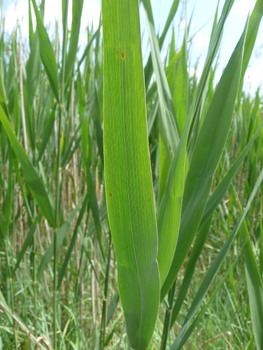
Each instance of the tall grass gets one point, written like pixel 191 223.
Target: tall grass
pixel 130 196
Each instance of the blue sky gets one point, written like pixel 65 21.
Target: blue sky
pixel 203 13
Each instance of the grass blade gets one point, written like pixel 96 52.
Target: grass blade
pixel 72 243
pixel 169 128
pixel 222 188
pixel 254 285
pixel 214 268
pixel 94 207
pixel 254 23
pixel 61 234
pixel 47 53
pixel 207 152
pixel 27 241
pixel 77 6
pixel 32 179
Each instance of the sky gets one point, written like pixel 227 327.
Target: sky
pixel 16 11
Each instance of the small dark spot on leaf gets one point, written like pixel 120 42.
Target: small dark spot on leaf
pixel 110 194
pixel 105 148
pixel 123 54
pixel 133 55
pixel 117 52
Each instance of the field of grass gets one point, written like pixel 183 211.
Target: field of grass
pixel 131 195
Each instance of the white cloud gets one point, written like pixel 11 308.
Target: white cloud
pixel 243 7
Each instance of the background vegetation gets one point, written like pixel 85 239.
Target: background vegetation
pixel 58 266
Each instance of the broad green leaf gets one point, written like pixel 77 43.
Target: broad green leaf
pixel 128 181
pixel 47 53
pixel 206 155
pixel 31 177
pixel 61 234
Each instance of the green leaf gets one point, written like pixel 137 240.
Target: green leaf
pixel 112 307
pixel 33 69
pixel 27 241
pixel 77 6
pixel 169 128
pixel 27 343
pixel 61 234
pixel 206 155
pixel 31 177
pixel 72 243
pixel 94 207
pixel 181 87
pixel 149 67
pixel 211 273
pixel 85 53
pixel 220 191
pixel 254 23
pixel 47 53
pixel 129 189
pixel 47 133
pixel 3 301
pixel 254 285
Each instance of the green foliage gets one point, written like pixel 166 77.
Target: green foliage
pixel 123 188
